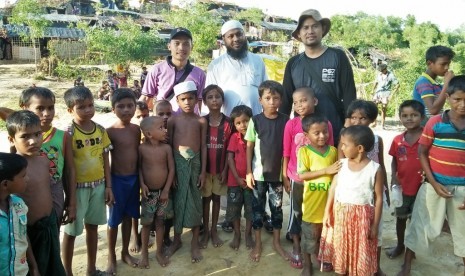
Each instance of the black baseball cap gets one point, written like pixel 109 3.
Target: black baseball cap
pixel 180 31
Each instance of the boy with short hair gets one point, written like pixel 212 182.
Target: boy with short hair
pixel 406 167
pixel 218 134
pixel 187 133
pixel 427 90
pixel 264 159
pixel 25 133
pixel 56 146
pixel 441 157
pixel 125 138
pixel 156 177
pixel 91 145
pixel 317 164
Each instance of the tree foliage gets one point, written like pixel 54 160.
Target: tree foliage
pixel 254 15
pixel 124 44
pixel 203 24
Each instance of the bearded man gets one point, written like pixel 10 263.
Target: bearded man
pixel 238 72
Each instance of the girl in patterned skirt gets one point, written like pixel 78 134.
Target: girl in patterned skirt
pixel 354 206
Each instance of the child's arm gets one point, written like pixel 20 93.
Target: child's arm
pixel 170 127
pixel 70 182
pixel 203 148
pixel 5 112
pixel 31 260
pixel 286 182
pixel 109 199
pixel 328 216
pixel 379 187
pixel 169 180
pixel 333 169
pixel 381 164
pixel 394 179
pixel 423 152
pixel 232 167
pixel 224 173
pixel 144 189
pixel 435 105
pixel 249 177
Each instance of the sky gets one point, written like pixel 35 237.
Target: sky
pixel 447 14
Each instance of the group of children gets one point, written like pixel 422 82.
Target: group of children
pixel 180 164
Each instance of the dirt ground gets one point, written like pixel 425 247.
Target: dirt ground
pixel 223 260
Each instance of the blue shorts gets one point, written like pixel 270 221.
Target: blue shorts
pixel 127 198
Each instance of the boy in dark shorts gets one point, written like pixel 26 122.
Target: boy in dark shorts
pixel 156 177
pixel 125 138
pixel 406 167
pixel 264 138
pixel 238 193
pixel 25 133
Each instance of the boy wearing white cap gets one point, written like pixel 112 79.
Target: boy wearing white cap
pixel 187 133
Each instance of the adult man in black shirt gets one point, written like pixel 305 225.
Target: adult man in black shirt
pixel 325 69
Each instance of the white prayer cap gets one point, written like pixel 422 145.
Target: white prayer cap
pixel 231 24
pixel 184 87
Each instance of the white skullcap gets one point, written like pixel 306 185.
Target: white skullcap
pixel 184 87
pixel 231 24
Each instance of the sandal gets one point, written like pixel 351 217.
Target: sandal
pixel 327 267
pixel 296 261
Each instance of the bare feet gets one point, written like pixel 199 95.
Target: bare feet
pixel 405 271
pixel 235 243
pixel 196 256
pixel 277 247
pixel 203 243
pixel 249 242
pixel 144 262
pixel 111 268
pixel 173 248
pixel 395 252
pixel 162 260
pixel 135 244
pixel 129 260
pixel 256 253
pixel 216 241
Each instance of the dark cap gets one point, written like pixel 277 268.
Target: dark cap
pixel 180 31
pixel 325 22
pixel 382 67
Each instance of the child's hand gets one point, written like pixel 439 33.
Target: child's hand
pixel 223 177
pixel 241 182
pixel 328 220
pixel 250 181
pixel 448 76
pixel 145 191
pixel 69 214
pixel 164 196
pixel 109 199
pixel 441 190
pixel 201 181
pixel 373 235
pixel 286 184
pixel 334 168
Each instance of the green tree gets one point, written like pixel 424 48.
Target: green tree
pixel 254 15
pixel 124 44
pixel 203 24
pixel 29 13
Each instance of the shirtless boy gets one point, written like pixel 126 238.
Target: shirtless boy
pixel 125 138
pixel 187 133
pixel 25 133
pixel 156 177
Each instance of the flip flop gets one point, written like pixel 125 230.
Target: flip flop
pixel 296 261
pixel 227 227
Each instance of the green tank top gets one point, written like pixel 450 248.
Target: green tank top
pixel 53 147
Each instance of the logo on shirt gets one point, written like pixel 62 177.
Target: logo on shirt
pixel 88 142
pixel 328 75
pixel 319 187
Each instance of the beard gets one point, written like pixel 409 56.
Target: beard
pixel 237 53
